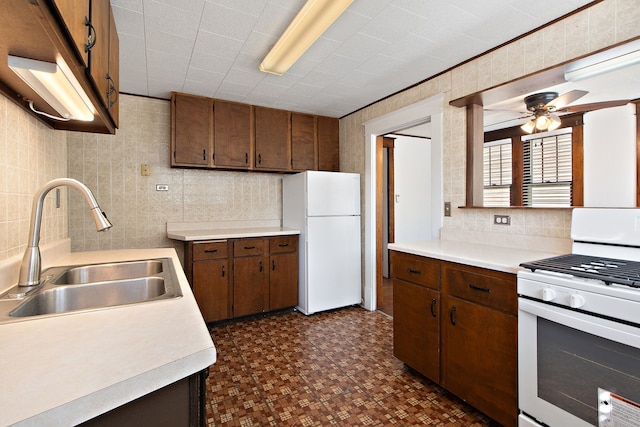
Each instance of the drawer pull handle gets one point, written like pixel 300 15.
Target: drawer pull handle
pixel 223 271
pixel 478 288
pixel 412 271
pixel 433 307
pixel 249 247
pixel 452 316
pixel 283 245
pixel 210 251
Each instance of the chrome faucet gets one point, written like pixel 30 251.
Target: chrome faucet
pixel 30 267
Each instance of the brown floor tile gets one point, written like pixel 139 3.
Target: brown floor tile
pixel 332 368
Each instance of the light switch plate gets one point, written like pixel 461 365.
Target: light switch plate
pixel 447 208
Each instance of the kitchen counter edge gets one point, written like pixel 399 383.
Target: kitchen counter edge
pixel 229 233
pixel 499 258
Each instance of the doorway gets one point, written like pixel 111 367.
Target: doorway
pixel 407 117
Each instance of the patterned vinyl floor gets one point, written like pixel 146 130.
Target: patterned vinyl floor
pixel 332 368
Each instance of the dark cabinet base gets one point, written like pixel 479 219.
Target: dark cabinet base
pixel 179 404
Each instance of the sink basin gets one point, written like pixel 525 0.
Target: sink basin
pixel 78 288
pixel 87 296
pixel 107 272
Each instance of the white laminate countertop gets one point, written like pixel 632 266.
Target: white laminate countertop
pixel 65 369
pixel 229 233
pixel 498 258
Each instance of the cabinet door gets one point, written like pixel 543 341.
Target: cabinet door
pixel 303 145
pixel 283 280
pixel 232 134
pixel 211 288
pixel 416 320
pixel 273 143
pixel 99 53
pixel 250 285
pixel 480 358
pixel 113 75
pixel 190 130
pixel 328 144
pixel 74 18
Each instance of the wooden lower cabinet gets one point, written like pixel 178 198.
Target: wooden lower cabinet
pixel 418 347
pixel 179 404
pixel 459 329
pixel 239 277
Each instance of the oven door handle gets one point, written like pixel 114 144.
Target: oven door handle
pixel 604 328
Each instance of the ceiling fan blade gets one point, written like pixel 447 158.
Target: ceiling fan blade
pixel 593 106
pixel 566 99
pixel 498 110
pixel 510 120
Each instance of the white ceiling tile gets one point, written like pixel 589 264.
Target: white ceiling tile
pixel 376 48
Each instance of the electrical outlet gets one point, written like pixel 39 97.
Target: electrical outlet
pixel 447 208
pixel 145 170
pixel 502 219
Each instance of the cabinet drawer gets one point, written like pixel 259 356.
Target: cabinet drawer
pixel 209 250
pixel 248 247
pixel 496 290
pixel 415 269
pixel 278 245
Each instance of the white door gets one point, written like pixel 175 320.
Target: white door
pixel 333 262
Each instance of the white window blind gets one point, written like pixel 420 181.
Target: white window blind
pixel 497 173
pixel 547 180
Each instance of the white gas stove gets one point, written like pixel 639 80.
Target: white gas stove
pixel 579 326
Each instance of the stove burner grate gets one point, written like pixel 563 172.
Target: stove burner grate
pixel 591 267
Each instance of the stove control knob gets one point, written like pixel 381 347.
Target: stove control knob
pixel 576 301
pixel 548 294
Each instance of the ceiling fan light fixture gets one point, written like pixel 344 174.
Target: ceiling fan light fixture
pixel 554 122
pixel 529 126
pixel 313 19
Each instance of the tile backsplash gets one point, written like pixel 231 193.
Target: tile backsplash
pixel 111 166
pixel 31 154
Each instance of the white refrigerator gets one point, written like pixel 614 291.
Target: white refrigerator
pixel 325 207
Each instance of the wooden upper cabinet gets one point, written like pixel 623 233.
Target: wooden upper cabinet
pixel 75 14
pixel 328 144
pixel 232 140
pixel 303 142
pixel 99 52
pixel 191 131
pixel 113 74
pixel 273 139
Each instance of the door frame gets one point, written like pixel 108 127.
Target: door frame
pixel 411 115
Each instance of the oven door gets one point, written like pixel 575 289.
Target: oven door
pixel 565 356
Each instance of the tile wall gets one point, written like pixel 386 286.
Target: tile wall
pixel 606 23
pixel 110 165
pixel 31 154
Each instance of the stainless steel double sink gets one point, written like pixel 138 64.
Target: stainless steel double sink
pixel 95 286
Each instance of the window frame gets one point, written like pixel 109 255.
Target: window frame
pixel 573 121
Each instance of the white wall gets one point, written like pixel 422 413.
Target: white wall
pixel 412 186
pixel 610 157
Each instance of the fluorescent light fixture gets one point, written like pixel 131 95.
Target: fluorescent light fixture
pixel 57 85
pixel 602 67
pixel 308 25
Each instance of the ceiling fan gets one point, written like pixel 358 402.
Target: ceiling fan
pixel 544 108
